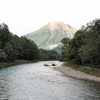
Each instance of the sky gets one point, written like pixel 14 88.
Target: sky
pixel 26 16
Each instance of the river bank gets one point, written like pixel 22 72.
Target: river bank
pixel 70 72
pixel 16 62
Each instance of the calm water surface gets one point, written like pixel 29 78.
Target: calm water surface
pixel 37 82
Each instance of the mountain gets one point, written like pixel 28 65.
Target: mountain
pixel 49 36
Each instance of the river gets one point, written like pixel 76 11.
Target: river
pixel 35 81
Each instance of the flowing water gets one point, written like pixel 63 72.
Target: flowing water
pixel 35 81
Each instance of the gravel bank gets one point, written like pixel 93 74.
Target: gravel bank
pixel 76 74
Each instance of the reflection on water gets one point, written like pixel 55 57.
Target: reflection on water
pixel 37 82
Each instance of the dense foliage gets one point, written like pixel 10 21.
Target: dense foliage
pixel 13 47
pixel 84 48
pixel 48 54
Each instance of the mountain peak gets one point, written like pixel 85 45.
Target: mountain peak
pixel 56 22
pixel 51 34
pixel 66 27
pixel 53 25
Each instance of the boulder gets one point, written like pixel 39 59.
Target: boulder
pixel 46 65
pixel 53 65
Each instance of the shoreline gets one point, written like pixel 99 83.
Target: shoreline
pixel 70 72
pixel 16 62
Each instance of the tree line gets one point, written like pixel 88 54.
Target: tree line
pixel 84 48
pixel 13 47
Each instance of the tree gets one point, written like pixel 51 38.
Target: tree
pixel 5 35
pixel 65 42
pixel 8 49
pixel 84 48
pixel 29 49
pixel 3 55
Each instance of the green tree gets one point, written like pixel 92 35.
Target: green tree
pixel 8 49
pixel 84 48
pixel 5 35
pixel 3 55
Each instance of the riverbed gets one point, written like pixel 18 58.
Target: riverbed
pixel 35 81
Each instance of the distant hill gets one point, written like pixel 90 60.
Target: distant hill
pixel 50 35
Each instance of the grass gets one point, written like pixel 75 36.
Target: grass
pixel 85 69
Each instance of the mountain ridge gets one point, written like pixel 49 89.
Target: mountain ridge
pixel 53 25
pixel 50 35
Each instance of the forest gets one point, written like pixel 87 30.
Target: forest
pixel 84 48
pixel 14 48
